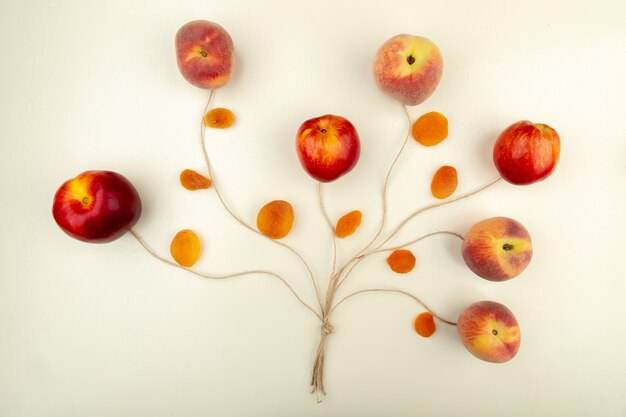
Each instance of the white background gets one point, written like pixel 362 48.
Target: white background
pixel 106 330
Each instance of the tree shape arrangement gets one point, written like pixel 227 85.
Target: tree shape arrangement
pixel 101 206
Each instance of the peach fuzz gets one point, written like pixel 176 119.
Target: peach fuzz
pixel 489 331
pixel 408 68
pixel 497 249
pixel 204 53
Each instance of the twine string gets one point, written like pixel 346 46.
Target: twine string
pixel 221 277
pixel 235 216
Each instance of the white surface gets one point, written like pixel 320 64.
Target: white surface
pixel 105 330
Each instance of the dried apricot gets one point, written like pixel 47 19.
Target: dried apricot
pixel 425 324
pixel 191 180
pixel 444 182
pixel 219 118
pixel 401 261
pixel 275 219
pixel 348 224
pixel 430 129
pixel 185 248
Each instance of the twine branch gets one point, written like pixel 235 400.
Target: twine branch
pixel 221 277
pixel 317 376
pixel 386 182
pixel 235 216
pixel 347 269
pixel 432 206
pixel 320 195
pixel 411 242
pixel 389 290
pixel 351 265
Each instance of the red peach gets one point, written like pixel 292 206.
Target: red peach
pixel 408 68
pixel 328 147
pixel 204 53
pixel 497 248
pixel 526 152
pixel 489 331
pixel 96 206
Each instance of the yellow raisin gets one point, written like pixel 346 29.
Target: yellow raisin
pixel 348 224
pixel 185 248
pixel 430 129
pixel 191 180
pixel 401 261
pixel 275 219
pixel 444 182
pixel 219 118
pixel 425 324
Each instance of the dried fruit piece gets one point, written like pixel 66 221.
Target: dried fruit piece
pixel 185 248
pixel 444 182
pixel 191 180
pixel 219 118
pixel 430 129
pixel 275 219
pixel 425 325
pixel 401 261
pixel 348 224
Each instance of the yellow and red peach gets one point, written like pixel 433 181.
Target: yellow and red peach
pixel 327 147
pixel 497 249
pixel 96 206
pixel 408 68
pixel 204 53
pixel 526 152
pixel 489 331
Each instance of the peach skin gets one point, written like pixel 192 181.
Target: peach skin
pixel 489 331
pixel 204 53
pixel 497 249
pixel 408 68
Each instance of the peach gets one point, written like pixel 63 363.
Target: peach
pixel 497 249
pixel 328 147
pixel 526 152
pixel 489 331
pixel 204 53
pixel 96 206
pixel 408 68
